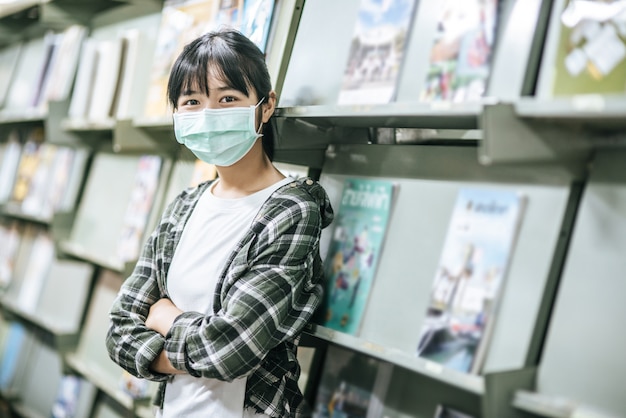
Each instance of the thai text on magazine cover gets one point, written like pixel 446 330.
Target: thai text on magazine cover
pixel 355 250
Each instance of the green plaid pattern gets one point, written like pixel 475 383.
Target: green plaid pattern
pixel 267 293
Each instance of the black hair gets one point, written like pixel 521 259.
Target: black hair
pixel 239 62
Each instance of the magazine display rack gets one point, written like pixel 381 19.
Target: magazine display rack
pixel 427 179
pixel 593 253
pixel 524 133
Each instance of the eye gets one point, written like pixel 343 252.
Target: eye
pixel 228 99
pixel 190 102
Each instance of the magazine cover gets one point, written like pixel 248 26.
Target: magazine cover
pixel 10 156
pixel 376 52
pixel 591 51
pixel 134 386
pixel 229 13
pixel 10 236
pixel 473 264
pixel 460 57
pixel 257 18
pixel 346 385
pixel 27 167
pixel 355 250
pixel 139 206
pixel 66 403
pixel 181 22
pixel 39 188
pixel 16 344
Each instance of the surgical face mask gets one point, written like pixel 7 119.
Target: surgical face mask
pixel 218 136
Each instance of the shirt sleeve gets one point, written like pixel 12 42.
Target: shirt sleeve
pixel 129 342
pixel 273 288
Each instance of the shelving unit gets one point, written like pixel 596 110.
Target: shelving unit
pixel 565 154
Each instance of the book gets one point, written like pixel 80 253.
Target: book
pixel 39 261
pixel 9 58
pixel 139 207
pixel 63 69
pixel 478 247
pixel 80 158
pixel 27 167
pixel 376 52
pixel 26 80
pixel 460 56
pixel 52 42
pixel 355 250
pixel 35 200
pixel 106 80
pixel 68 394
pixel 136 50
pixel 83 83
pixel 256 21
pixel 181 22
pixel 10 234
pixel 58 181
pixel 585 50
pixel 351 385
pixel 10 154
pixel 134 386
pixel 14 350
pixel 229 14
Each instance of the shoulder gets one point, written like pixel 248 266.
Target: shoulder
pixel 298 200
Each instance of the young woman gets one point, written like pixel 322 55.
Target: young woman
pixel 226 283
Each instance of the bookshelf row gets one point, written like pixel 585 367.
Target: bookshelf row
pixel 397 302
pixel 511 50
pixel 540 115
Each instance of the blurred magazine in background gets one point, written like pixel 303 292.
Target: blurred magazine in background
pixel 460 57
pixel 377 51
pixel 473 265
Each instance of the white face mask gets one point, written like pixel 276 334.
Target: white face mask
pixel 218 136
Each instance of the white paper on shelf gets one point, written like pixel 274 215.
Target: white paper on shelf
pixel 579 10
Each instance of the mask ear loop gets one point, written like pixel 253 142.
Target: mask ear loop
pixel 260 129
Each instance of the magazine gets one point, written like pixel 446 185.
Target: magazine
pixel 256 21
pixel 460 57
pixel 181 22
pixel 469 277
pixel 139 207
pixel 134 386
pixel 589 49
pixel 376 52
pixel 349 384
pixel 10 236
pixel 68 393
pixel 355 250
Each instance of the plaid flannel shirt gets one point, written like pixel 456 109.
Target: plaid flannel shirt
pixel 267 293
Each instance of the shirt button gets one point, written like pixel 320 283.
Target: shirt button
pixel 309 182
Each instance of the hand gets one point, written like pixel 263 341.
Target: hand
pixel 162 315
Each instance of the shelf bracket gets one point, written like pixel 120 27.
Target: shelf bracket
pixel 508 138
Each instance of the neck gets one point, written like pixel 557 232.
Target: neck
pixel 252 173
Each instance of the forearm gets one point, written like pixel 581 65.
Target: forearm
pixel 162 365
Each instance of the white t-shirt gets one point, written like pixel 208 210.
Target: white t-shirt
pixel 212 231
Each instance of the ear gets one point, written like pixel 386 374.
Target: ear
pixel 268 107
